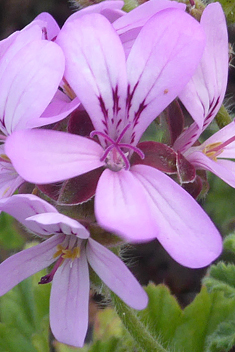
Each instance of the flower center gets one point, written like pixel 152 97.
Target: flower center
pixel 215 149
pixel 63 252
pixel 116 155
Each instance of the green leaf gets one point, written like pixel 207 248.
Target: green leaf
pixel 9 236
pixel 24 317
pixel 222 278
pixel 163 313
pixel 183 330
pixel 223 339
pixel 229 243
pixel 229 9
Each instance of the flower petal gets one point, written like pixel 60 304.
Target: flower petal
pixel 120 206
pixel 30 82
pixel 51 28
pixel 22 206
pixel 168 59
pixel 100 87
pixel 114 273
pixel 69 301
pixel 141 14
pixel 59 107
pixel 183 228
pixel 9 179
pixel 205 92
pixel 58 223
pixel 110 9
pixel 225 169
pixel 226 134
pixel 145 203
pixel 27 262
pixel 45 156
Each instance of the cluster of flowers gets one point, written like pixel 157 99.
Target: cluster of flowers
pixel 108 74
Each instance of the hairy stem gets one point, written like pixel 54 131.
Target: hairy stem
pixel 136 328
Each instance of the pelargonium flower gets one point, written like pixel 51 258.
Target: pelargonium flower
pixel 31 69
pixel 203 96
pixel 204 93
pixel 122 97
pixel 71 249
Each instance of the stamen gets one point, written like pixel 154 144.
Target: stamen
pixel 62 253
pixel 5 158
pixel 215 149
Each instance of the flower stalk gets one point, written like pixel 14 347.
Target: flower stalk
pixel 136 328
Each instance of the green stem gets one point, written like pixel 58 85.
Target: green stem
pixel 136 328
pixel 222 118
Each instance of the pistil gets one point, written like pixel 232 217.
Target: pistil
pixel 118 159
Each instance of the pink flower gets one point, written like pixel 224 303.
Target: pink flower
pixel 204 93
pixel 70 249
pixel 122 97
pixel 203 96
pixel 31 69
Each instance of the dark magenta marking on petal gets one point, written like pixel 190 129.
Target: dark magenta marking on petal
pixel 129 97
pixel 142 106
pixel 116 106
pixel 104 111
pixel 212 108
pixel 44 33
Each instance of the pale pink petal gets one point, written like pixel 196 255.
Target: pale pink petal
pixel 187 138
pixel 141 14
pixel 11 48
pixel 145 203
pixel 45 156
pixel 6 43
pixel 30 82
pixel 18 40
pixel 169 57
pixel 204 93
pixel 223 136
pixel 22 206
pixel 110 9
pixel 121 207
pixel 114 273
pixel 100 87
pixel 69 302
pixel 58 223
pixel 9 178
pixel 225 169
pixel 27 262
pixel 50 28
pixel 60 107
pixel 182 226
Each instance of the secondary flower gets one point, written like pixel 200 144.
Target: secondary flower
pixel 71 250
pixel 122 97
pixel 31 69
pixel 204 93
pixel 203 97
